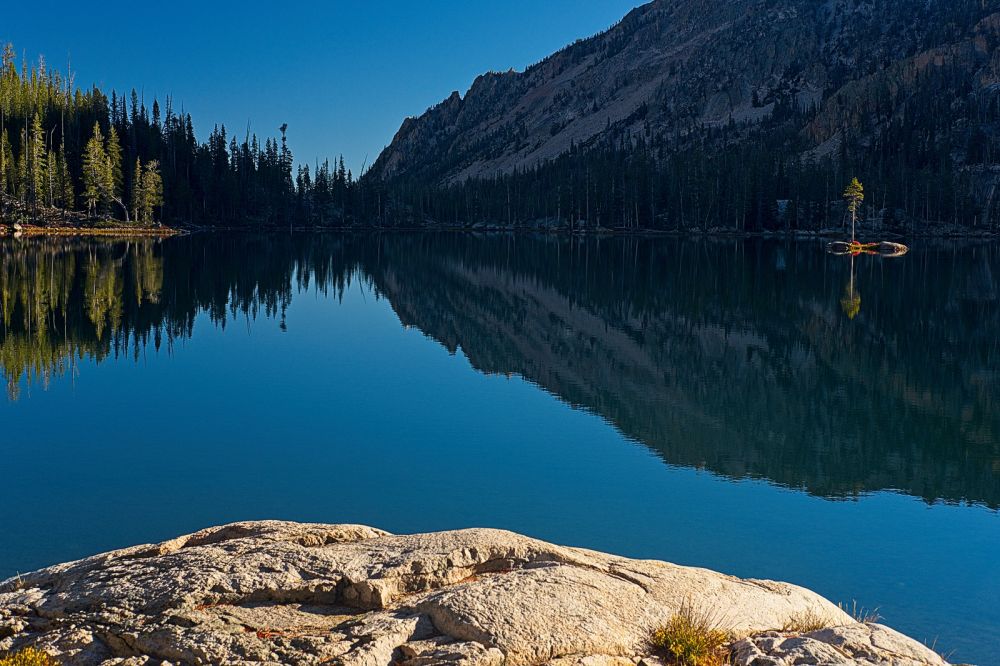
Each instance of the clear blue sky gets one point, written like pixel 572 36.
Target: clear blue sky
pixel 343 74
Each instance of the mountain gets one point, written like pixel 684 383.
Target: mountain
pixel 884 88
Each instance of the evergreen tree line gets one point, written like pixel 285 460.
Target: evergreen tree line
pixel 68 152
pixel 65 151
pixel 758 183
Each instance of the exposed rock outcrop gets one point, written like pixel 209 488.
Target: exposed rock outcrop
pixel 286 593
pixel 673 67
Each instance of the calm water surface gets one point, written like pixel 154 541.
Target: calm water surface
pixel 759 408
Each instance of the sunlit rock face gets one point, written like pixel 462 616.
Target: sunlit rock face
pixel 291 593
pixel 822 71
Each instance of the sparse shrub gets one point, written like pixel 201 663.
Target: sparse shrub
pixel 806 622
pixel 692 638
pixel 14 584
pixel 861 614
pixel 28 657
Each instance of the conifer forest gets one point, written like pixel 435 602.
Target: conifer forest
pixel 89 157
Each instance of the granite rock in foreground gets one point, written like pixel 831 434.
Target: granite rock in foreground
pixel 287 593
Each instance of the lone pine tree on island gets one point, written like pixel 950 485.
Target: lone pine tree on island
pixel 855 196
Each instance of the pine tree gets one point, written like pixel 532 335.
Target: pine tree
pixel 95 170
pixel 6 165
pixel 114 151
pixel 21 178
pixel 113 178
pixel 36 162
pixel 51 178
pixel 67 195
pixel 855 196
pixel 152 190
pixel 137 192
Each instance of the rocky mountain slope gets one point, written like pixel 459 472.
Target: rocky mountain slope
pixel 830 76
pixel 285 593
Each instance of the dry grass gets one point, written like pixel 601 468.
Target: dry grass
pixel 28 657
pixel 860 613
pixel 15 584
pixel 693 638
pixel 806 622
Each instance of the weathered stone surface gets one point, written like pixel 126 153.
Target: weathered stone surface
pixel 285 593
pixel 849 644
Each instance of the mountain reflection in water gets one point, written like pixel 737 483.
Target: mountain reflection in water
pixel 751 359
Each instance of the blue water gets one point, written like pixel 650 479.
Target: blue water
pixel 362 405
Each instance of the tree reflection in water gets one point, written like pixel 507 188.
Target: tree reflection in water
pixel 733 356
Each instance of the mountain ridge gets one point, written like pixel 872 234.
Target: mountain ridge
pixel 825 80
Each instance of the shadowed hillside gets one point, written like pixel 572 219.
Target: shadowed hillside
pixel 722 114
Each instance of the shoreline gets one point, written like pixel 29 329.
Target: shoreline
pixel 281 592
pixel 604 232
pixel 37 231
pixel 31 231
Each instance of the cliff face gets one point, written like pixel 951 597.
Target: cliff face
pixel 816 69
pixel 285 593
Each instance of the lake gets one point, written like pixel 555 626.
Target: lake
pixel 757 407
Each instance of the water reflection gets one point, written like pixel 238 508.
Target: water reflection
pixel 851 302
pixel 62 300
pixel 734 357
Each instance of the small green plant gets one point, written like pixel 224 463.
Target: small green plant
pixel 28 657
pixel 805 622
pixel 692 638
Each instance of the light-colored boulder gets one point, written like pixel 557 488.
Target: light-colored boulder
pixel 286 593
pixel 849 644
